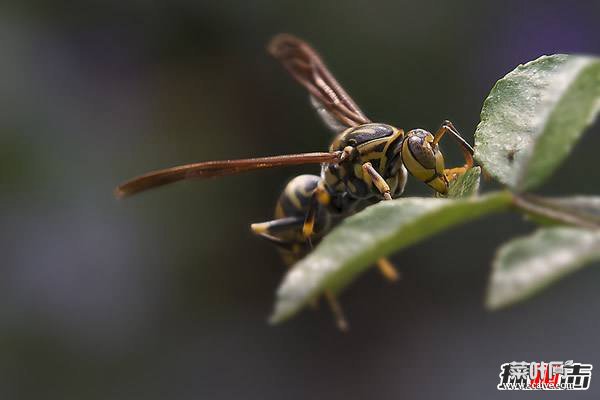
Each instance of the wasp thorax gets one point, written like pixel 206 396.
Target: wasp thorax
pixel 424 160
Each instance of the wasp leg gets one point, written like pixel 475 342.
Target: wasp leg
pixel 266 229
pixel 336 309
pixel 466 148
pixel 448 127
pixel 377 180
pixel 388 270
pixel 283 244
pixel 453 173
pixel 308 226
pixel 320 197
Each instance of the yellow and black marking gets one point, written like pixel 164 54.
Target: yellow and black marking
pixel 373 167
pixel 367 163
pixel 301 200
pixel 374 143
pixel 424 160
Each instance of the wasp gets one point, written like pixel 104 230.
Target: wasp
pixel 367 162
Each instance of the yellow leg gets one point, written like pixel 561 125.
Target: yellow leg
pixel 448 127
pixel 309 226
pixel 453 173
pixel 377 180
pixel 319 198
pixel 336 309
pixel 388 270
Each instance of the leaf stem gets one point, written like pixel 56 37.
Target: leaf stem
pixel 538 207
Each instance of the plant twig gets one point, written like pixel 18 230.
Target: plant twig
pixel 535 206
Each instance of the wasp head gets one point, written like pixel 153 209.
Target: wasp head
pixel 424 160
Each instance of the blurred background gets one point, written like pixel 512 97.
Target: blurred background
pixel 166 295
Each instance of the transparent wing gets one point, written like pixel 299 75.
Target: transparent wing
pixel 332 102
pixel 328 118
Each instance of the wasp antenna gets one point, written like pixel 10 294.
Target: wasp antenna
pixel 118 193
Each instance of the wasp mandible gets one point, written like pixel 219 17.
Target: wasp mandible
pixel 366 162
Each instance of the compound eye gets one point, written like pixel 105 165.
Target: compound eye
pixel 421 150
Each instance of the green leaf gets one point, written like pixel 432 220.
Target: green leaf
pixel 533 117
pixel 465 185
pixel 526 265
pixel 373 233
